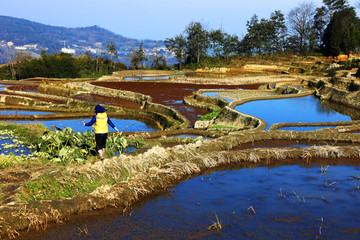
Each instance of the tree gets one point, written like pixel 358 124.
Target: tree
pixel 216 38
pixel 22 56
pixel 230 44
pixel 138 58
pixel 98 45
pixel 351 38
pixel 158 61
pixel 321 20
pixel 197 41
pixel 342 33
pixel 335 5
pixel 61 65
pixel 111 49
pixel 177 46
pixel 277 36
pixel 265 36
pixel 301 24
pixel 141 55
pixel 252 40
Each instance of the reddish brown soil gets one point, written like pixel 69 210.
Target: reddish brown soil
pixel 24 88
pixel 171 94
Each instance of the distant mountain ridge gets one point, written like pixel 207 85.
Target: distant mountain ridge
pixel 24 32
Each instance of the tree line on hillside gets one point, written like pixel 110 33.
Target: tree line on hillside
pixel 59 65
pixel 64 65
pixel 331 29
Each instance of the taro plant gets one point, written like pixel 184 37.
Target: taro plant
pixel 115 143
pixel 67 145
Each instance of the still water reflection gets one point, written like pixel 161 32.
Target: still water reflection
pixel 123 125
pixel 290 201
pixel 304 109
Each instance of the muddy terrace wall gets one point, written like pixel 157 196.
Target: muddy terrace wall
pixel 282 96
pixel 31 94
pixel 29 99
pixel 158 169
pixel 227 117
pixel 233 118
pixel 328 92
pixel 341 126
pixel 180 121
pixel 132 96
pixel 131 73
pixel 203 101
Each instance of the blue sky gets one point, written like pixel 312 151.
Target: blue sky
pixel 147 19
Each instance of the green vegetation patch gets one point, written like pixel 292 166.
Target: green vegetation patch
pixel 28 133
pixel 48 187
pixel 210 116
pixel 218 126
pixel 67 146
pixel 12 161
pixel 53 185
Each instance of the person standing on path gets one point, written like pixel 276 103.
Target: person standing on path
pixel 101 120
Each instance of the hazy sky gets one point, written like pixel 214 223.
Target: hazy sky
pixel 147 19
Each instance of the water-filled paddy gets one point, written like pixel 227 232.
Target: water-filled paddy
pixel 288 202
pixel 123 125
pixel 306 128
pixel 216 94
pixel 9 145
pixel 21 112
pixel 2 87
pixel 24 88
pixel 304 109
pixel 142 77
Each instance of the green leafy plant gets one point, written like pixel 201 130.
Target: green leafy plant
pixel 66 145
pixel 217 126
pixel 211 115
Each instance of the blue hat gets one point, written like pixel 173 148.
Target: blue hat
pixel 99 109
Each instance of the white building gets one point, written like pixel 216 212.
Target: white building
pixel 68 50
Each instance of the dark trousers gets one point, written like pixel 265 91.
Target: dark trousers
pixel 100 139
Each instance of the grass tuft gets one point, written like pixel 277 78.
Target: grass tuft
pixel 216 226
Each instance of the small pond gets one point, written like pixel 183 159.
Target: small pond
pixel 304 109
pixel 287 202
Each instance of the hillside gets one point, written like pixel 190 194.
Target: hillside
pixel 24 32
